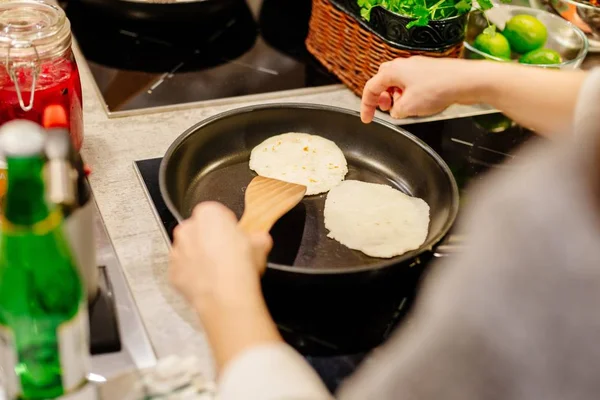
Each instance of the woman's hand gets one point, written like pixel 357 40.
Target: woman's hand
pixel 217 268
pixel 419 86
pixel 540 99
pixel 212 260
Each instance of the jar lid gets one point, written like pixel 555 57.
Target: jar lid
pixel 31 30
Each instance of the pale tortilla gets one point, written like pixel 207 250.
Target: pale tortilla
pixel 308 160
pixel 376 219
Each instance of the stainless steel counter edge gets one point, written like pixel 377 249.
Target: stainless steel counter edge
pixel 137 351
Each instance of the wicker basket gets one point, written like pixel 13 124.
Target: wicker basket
pixel 353 51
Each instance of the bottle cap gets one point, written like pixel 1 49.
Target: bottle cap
pixel 21 138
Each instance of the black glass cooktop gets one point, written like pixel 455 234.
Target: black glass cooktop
pixel 232 48
pixel 470 146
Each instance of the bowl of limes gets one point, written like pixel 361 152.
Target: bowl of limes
pixel 524 35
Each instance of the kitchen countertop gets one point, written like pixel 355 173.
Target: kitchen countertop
pixel 110 148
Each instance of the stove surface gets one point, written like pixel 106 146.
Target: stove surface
pixel 470 146
pixel 253 47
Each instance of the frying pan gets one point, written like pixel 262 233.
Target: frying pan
pixel 342 298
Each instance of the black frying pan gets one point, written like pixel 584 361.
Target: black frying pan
pixel 308 272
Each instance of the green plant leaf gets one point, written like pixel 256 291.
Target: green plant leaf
pixel 366 13
pixel 420 11
pixel 485 4
pixel 463 6
pixel 423 21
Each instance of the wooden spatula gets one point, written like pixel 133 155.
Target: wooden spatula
pixel 267 200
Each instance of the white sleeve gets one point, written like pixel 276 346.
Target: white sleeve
pixel 271 372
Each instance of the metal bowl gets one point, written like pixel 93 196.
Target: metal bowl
pixel 564 37
pixel 581 13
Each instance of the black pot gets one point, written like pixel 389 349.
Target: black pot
pixel 219 35
pixel 284 25
pixel 144 13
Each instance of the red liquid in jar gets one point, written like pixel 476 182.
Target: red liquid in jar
pixel 58 83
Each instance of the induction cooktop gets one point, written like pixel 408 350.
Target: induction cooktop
pixel 252 47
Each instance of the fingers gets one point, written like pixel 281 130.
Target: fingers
pixel 177 233
pixel 374 88
pixel 399 109
pixel 174 271
pixel 212 211
pixel 211 215
pixel 416 104
pixel 385 101
pixel 261 243
pixel 396 95
pixel 214 221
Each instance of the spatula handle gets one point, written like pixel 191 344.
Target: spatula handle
pixel 251 224
pixel 267 200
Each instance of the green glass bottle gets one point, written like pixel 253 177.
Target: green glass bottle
pixel 44 337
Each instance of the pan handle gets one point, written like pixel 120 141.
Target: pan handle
pixel 453 244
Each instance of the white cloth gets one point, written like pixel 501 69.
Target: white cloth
pixel 513 317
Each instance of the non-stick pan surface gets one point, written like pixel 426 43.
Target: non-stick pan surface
pixel 210 162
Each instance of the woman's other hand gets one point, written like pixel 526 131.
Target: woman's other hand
pixel 419 86
pixel 541 99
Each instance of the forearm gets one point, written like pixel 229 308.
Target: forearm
pixel 540 99
pixel 235 324
pixel 253 361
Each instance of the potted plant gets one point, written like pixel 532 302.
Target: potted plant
pixel 352 38
pixel 419 24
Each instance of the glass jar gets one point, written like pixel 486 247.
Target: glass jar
pixel 37 66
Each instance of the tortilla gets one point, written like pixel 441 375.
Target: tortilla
pixel 300 158
pixel 376 219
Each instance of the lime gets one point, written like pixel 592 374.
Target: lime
pixel 525 33
pixel 493 123
pixel 493 44
pixel 541 56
